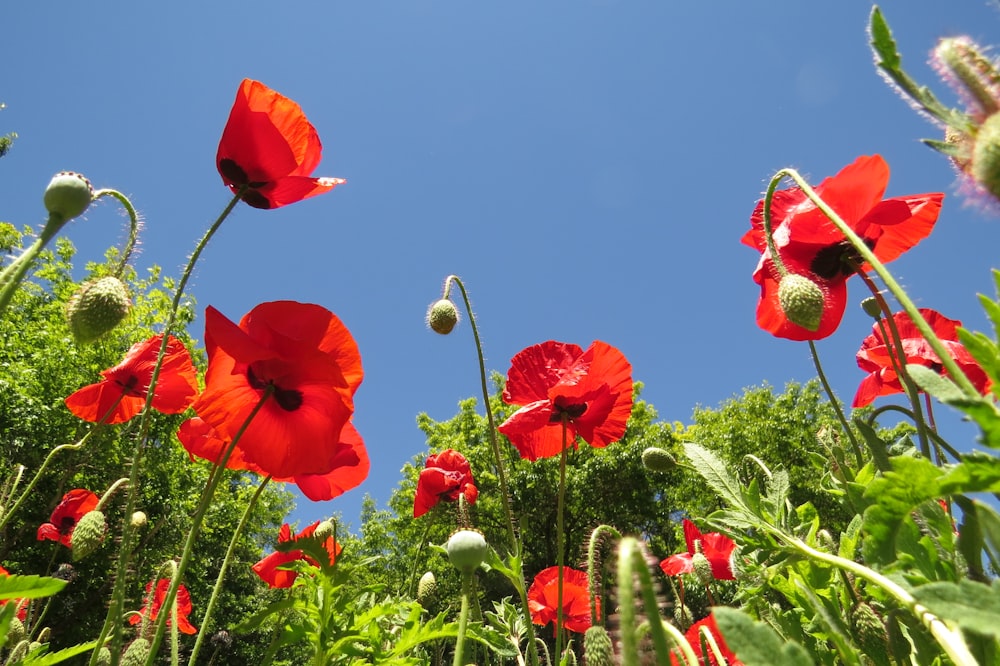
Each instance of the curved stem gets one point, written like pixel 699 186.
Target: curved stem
pixel 690 657
pixel 14 272
pixel 133 232
pixel 207 617
pixel 858 456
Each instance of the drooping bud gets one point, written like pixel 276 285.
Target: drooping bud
pixel 870 633
pixel 104 657
pixel 136 653
pixel 138 519
pixel 88 535
pixel 43 636
pixel 656 459
pixel 467 549
pixel 597 647
pixel 702 568
pixel 985 169
pixel 96 308
pixel 442 316
pixel 68 195
pixel 802 301
pixel 872 308
pixel 426 587
pixel 18 652
pixel 961 63
pixel 324 530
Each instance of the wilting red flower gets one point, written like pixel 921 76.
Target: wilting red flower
pixel 717 549
pixel 445 476
pixel 693 636
pixel 73 506
pixel 555 382
pixel 124 386
pixel 270 147
pixel 810 245
pixel 876 357
pixel 543 598
pixel 151 609
pixel 351 460
pixel 268 569
pixel 311 364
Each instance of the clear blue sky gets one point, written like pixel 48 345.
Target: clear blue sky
pixel 587 166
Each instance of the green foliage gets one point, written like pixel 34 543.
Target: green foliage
pixel 758 644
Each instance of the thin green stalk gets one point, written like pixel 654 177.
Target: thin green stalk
pixel 14 272
pixel 560 539
pixel 237 533
pixel 592 574
pixel 463 619
pixel 411 579
pixel 680 641
pixel 626 604
pixel 133 232
pixel 858 456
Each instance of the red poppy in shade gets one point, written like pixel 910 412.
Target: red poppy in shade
pixel 309 362
pixel 557 382
pixel 445 476
pixel 122 393
pixel 543 598
pixel 268 569
pixel 350 470
pixel 810 245
pixel 876 357
pixel 693 636
pixel 717 549
pixel 74 505
pixel 270 148
pixel 152 608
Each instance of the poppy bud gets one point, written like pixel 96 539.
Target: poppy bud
pixel 702 568
pixel 324 530
pixel 138 519
pixel 442 316
pixel 426 587
pixel 961 62
pixel 88 535
pixel 467 549
pixel 985 169
pixel 104 657
pixel 597 647
pixel 869 631
pixel 802 301
pixel 18 651
pixel 68 195
pixel 682 616
pixel 871 307
pixel 657 460
pixel 136 653
pixel 43 636
pixel 15 632
pixel 96 308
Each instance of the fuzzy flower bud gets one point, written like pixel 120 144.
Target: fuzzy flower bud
pixel 872 308
pixel 88 535
pixel 985 168
pixel 96 308
pixel 467 549
pixel 597 647
pixel 702 568
pixel 138 519
pixel 68 195
pixel 802 301
pixel 960 62
pixel 136 653
pixel 657 460
pixel 104 657
pixel 15 632
pixel 442 316
pixel 324 530
pixel 18 652
pixel 869 631
pixel 426 587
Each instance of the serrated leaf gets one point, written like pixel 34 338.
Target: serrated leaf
pixel 937 385
pixel 257 618
pixel 755 643
pixel 49 658
pixel 911 482
pixel 977 472
pixel 29 587
pixel 717 475
pixel 974 606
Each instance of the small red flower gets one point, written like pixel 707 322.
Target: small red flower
pixel 310 363
pixel 351 462
pixel 122 393
pixel 270 147
pixel 543 598
pixel 22 604
pixel 152 608
pixel 876 357
pixel 555 382
pixel 810 245
pixel 268 569
pixel 445 476
pixel 74 505
pixel 717 549
pixel 693 636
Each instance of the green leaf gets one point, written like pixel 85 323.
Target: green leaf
pixel 257 618
pixel 989 522
pixel 911 482
pixel 717 475
pixel 977 472
pixel 29 587
pixel 973 606
pixel 937 385
pixel 48 658
pixel 979 409
pixel 755 643
pixel 876 445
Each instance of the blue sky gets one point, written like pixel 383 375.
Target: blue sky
pixel 587 167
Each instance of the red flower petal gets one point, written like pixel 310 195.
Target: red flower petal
pixel 267 568
pixel 71 508
pixel 445 476
pixel 152 609
pixel 543 598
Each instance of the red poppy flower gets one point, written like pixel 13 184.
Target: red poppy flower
pixel 270 147
pixel 350 470
pixel 810 245
pixel 543 598
pixel 876 357
pixel 311 364
pixel 555 381
pixel 151 609
pixel 122 392
pixel 268 569
pixel 717 549
pixel 73 506
pixel 22 604
pixel 693 636
pixel 445 476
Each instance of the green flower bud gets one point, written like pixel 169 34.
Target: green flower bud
pixel 682 616
pixel 96 308
pixel 985 169
pixel 15 632
pixel 104 657
pixel 702 568
pixel 467 549
pixel 426 587
pixel 68 195
pixel 324 530
pixel 88 535
pixel 18 651
pixel 802 301
pixel 961 62
pixel 872 308
pixel 869 632
pixel 657 460
pixel 136 653
pixel 597 647
pixel 442 316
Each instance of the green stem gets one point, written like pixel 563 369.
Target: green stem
pixel 13 273
pixel 596 538
pixel 858 456
pixel 207 618
pixel 416 558
pixel 133 232
pixel 560 540
pixel 463 619
pixel 626 604
pixel 690 657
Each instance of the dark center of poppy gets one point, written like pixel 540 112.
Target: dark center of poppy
pixel 235 175
pixel 67 524
pixel 288 399
pixel 570 411
pixel 129 386
pixel 937 367
pixel 840 260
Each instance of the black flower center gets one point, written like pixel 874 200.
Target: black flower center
pixel 840 260
pixel 288 399
pixel 570 411
pixel 67 524
pixel 235 175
